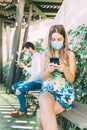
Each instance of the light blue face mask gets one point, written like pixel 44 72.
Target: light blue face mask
pixel 56 45
pixel 28 54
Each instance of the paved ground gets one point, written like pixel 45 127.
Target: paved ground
pixel 9 103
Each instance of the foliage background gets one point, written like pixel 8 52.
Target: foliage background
pixel 78 43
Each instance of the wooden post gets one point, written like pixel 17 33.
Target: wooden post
pixel 1 55
pixel 15 45
pixel 8 43
pixel 17 75
pixel 28 24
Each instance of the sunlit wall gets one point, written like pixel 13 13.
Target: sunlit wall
pixel 72 13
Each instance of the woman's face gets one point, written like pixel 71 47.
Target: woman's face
pixel 56 37
pixel 56 41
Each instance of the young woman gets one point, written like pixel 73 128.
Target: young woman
pixel 57 94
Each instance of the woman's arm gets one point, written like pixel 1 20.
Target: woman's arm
pixel 69 71
pixel 45 73
pixel 48 68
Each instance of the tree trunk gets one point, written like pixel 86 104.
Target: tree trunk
pixel 15 45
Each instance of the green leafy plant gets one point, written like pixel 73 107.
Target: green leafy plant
pixel 5 72
pixel 78 43
pixel 38 45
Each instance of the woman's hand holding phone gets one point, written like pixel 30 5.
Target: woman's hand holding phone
pixel 51 67
pixel 55 63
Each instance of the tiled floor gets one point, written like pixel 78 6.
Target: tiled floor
pixel 9 103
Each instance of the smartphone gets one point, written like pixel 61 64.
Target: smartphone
pixel 54 60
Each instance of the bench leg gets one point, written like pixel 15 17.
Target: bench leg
pixel 77 128
pixel 34 112
pixel 63 123
pixel 29 106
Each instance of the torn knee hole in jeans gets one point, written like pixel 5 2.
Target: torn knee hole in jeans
pixel 18 92
pixel 12 88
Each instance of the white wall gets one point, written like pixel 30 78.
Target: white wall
pixel 72 13
pixel 39 29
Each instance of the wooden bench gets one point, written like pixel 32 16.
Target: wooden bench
pixel 77 115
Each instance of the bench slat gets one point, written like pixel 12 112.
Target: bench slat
pixel 80 107
pixel 77 115
pixel 35 93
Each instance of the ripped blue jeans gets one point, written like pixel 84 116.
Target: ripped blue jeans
pixel 23 89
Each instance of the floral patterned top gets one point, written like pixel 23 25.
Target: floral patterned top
pixel 60 88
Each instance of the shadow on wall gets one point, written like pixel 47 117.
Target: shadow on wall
pixel 72 14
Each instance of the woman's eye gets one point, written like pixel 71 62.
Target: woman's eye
pixel 60 40
pixel 53 39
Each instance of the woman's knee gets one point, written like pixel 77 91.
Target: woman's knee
pixel 46 100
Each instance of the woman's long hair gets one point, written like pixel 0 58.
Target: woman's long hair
pixel 63 53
